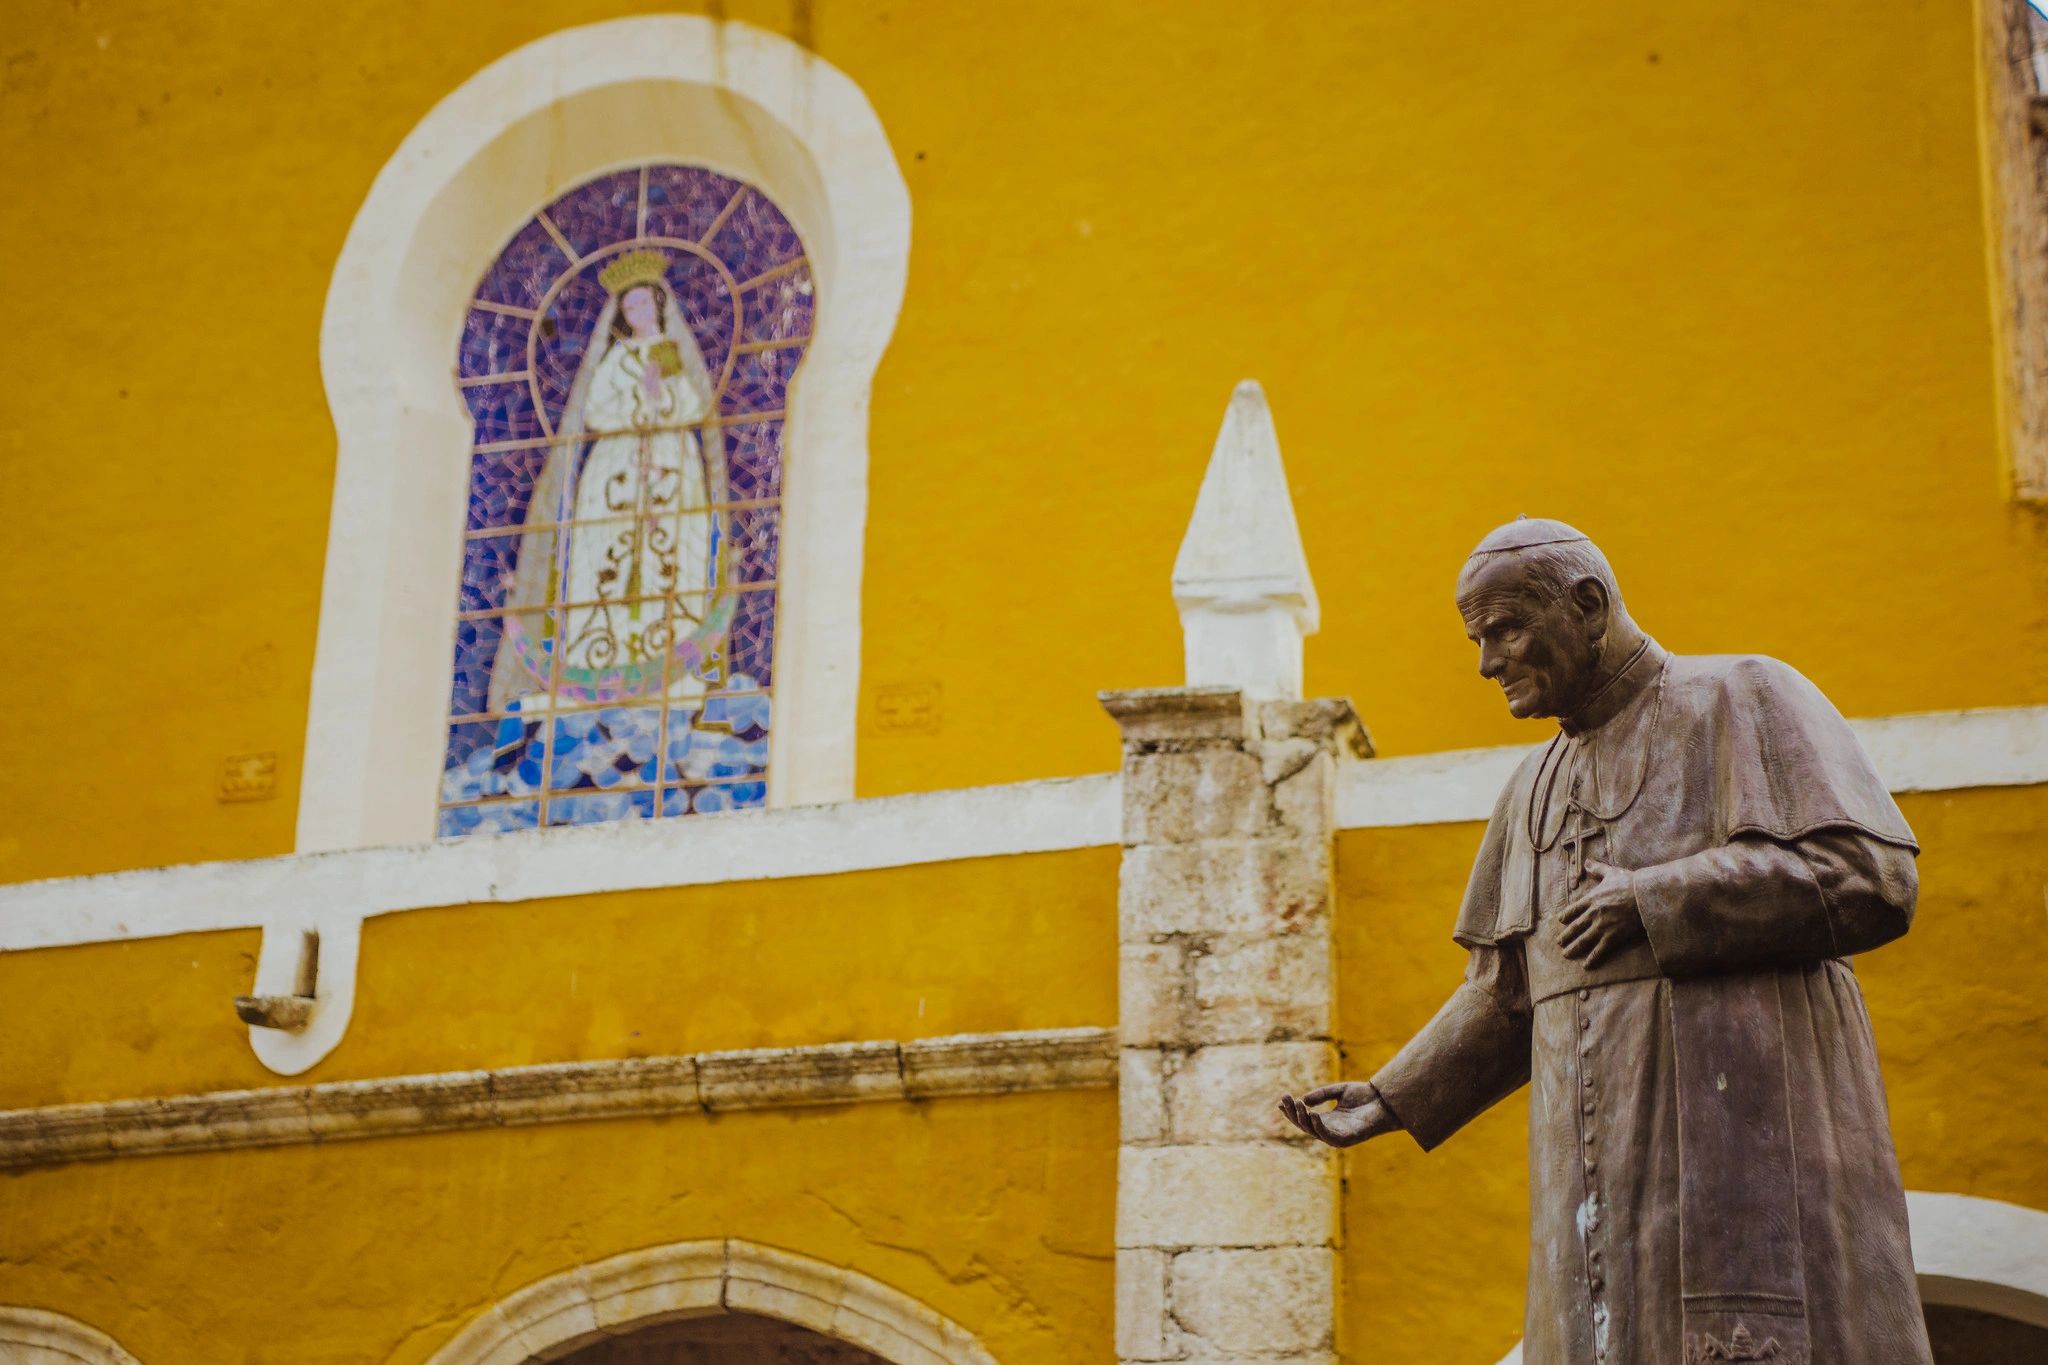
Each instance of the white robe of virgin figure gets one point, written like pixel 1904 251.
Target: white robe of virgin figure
pixel 644 524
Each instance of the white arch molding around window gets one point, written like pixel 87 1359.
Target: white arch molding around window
pixel 734 101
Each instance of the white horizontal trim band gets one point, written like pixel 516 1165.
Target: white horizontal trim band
pixel 633 855
pixel 1931 751
pixel 1938 751
pixel 565 1092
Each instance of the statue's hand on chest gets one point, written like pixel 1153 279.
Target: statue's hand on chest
pixel 1600 916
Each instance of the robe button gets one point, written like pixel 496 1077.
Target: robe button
pixel 1585 994
pixel 1592 1166
pixel 1585 1021
pixel 1588 1105
pixel 1596 1284
pixel 1587 1080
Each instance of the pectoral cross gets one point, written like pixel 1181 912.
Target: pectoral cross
pixel 1581 830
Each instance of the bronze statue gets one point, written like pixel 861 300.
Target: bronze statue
pixel 1659 924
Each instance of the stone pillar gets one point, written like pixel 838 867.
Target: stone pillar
pixel 1226 1217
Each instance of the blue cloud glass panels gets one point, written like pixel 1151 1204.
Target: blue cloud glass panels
pixel 626 362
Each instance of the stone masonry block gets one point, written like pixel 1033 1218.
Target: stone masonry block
pixel 1169 716
pixel 1244 1194
pixel 1141 1305
pixel 1267 1299
pixel 1210 793
pixel 1141 1103
pixel 1260 989
pixel 1230 1093
pixel 1152 987
pixel 1328 720
pixel 1305 800
pixel 1232 886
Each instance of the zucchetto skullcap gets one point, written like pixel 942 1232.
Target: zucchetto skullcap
pixel 1526 533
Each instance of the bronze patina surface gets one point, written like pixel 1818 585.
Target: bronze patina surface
pixel 1659 925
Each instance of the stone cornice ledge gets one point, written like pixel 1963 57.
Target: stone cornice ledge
pixel 563 1092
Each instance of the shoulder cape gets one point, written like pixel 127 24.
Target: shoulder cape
pixel 1745 737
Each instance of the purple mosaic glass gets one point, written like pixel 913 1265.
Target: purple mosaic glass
pixel 487 566
pixel 755 237
pixel 492 343
pixel 756 536
pixel 599 213
pixel 527 768
pixel 751 641
pixel 707 307
pixel 683 202
pixel 781 309
pixel 522 273
pixel 501 485
pixel 562 336
pixel 753 461
pixel 758 381
pixel 503 412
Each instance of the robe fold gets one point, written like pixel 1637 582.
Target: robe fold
pixel 1711 1169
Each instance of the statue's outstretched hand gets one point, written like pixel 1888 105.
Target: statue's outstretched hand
pixel 1360 1113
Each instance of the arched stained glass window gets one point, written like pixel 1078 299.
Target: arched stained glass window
pixel 626 360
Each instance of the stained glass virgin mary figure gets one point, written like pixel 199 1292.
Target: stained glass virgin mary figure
pixel 627 540
pixel 626 361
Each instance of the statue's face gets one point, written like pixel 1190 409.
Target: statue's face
pixel 1541 650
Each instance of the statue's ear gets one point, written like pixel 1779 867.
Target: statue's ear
pixel 1589 595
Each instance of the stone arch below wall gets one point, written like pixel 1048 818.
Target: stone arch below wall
pixel 569 1316
pixel 32 1336
pixel 722 1339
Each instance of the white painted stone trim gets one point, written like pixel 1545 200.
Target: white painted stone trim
pixel 687 1279
pixel 1983 1254
pixel 740 100
pixel 563 1092
pixel 1927 751
pixel 334 892
pixel 1241 580
pixel 33 1336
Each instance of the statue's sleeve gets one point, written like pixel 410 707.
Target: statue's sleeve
pixel 1474 1054
pixel 1756 900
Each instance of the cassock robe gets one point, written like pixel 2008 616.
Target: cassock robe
pixel 1711 1169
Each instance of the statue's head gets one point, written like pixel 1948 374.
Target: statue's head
pixel 1541 603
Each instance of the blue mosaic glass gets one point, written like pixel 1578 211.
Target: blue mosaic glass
pixel 539 764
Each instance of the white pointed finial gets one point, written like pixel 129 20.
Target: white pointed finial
pixel 1241 579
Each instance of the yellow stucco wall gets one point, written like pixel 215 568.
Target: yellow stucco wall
pixel 996 1212
pixel 977 946
pixel 1709 280
pixel 1437 1243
